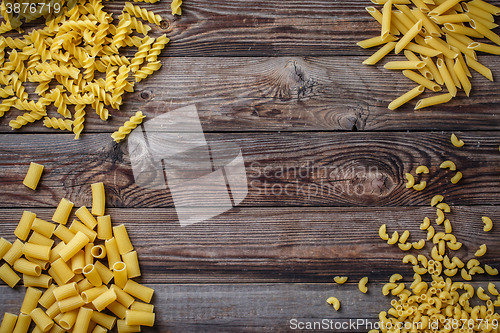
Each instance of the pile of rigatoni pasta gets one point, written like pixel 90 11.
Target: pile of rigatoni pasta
pixel 435 37
pixel 82 293
pixel 76 61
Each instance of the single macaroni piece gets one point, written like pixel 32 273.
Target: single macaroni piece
pixel 362 285
pixel 420 186
pixel 440 216
pixel 410 180
pixel 465 275
pixel 492 289
pixel 436 199
pixel 383 233
pixel 444 207
pixel 451 272
pixel 455 179
pixel 340 279
pixel 488 224
pixel 481 251
pixel 395 277
pixel 404 237
pixel 448 165
pixel 386 289
pixel 418 245
pixel 405 246
pixel 476 270
pixel 423 260
pixel 33 176
pixel 490 270
pixel 335 302
pixel 430 232
pixel 454 245
pixel 472 263
pixel 425 224
pixel 422 169
pixel 455 141
pixel 447 226
pixel 435 254
pixel 394 238
pixel 410 258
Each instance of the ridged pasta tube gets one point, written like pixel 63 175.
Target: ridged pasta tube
pixel 58 123
pixel 142 13
pixel 129 125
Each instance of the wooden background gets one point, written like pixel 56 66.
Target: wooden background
pixel 273 257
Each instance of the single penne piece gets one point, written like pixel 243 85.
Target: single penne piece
pixel 62 211
pixel 427 51
pixel 482 30
pixel 461 60
pixel 422 7
pixel 436 44
pixel 86 217
pixel 452 41
pixel 486 6
pixel 386 19
pixel 401 17
pixel 404 65
pixel 470 8
pixel 463 30
pixel 486 48
pixel 446 5
pixel 426 23
pixel 431 66
pixel 378 16
pixel 449 64
pixel 406 97
pixel 429 101
pixel 478 67
pixel 455 9
pixel 396 24
pixel 454 18
pixel 98 199
pixel 375 41
pixel 412 57
pixel 422 80
pixel 408 37
pixel 372 60
pixel 487 24
pixel 407 12
pixel 104 230
pixel 462 38
pixel 24 226
pixel 383 2
pixel 33 175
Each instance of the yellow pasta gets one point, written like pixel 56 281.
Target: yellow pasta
pixel 89 259
pixel 455 179
pixel 43 227
pixel 33 176
pixel 26 267
pixel 86 217
pixel 91 294
pixel 23 323
pixel 41 320
pixel 83 320
pixel 98 251
pixel 30 301
pixel 488 224
pixel 133 314
pixel 382 52
pixel 64 233
pixel 54 252
pixel 120 274
pixel 124 328
pixel 122 297
pixel 104 230
pixel 66 291
pixel 409 177
pixel 118 309
pixel 68 319
pixel 92 275
pixel 39 239
pixel 404 65
pixel 9 276
pixel 104 320
pixel 48 297
pixel 131 261
pixel 41 252
pixel 122 239
pixel 445 74
pixel 78 226
pixel 462 76
pixel 142 318
pixel 62 211
pixel 421 80
pixel 361 285
pixel 402 100
pixel 425 224
pixel 98 199
pixel 408 37
pixel 481 251
pixel 129 125
pixel 104 300
pixel 394 238
pixel 418 245
pixel 439 99
pixel 420 186
pixel 62 270
pixel 478 67
pixel 112 251
pixel 5 246
pixel 104 272
pixel 143 13
pixel 139 306
pixel 75 245
pixel 23 228
pixel 70 303
pixel 8 322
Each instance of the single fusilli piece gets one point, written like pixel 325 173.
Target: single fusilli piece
pixel 79 119
pixel 122 31
pixel 26 118
pixel 100 109
pixel 176 7
pixel 6 105
pixel 141 54
pixel 129 125
pixel 58 123
pixel 59 103
pixel 155 50
pixel 7 91
pixel 135 24
pixel 121 82
pixel 147 70
pixel 142 13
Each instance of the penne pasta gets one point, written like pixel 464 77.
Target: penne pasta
pixel 427 51
pixel 429 26
pixel 462 76
pixel 378 16
pixel 408 37
pixel 460 46
pixel 406 97
pixel 485 6
pixel 421 80
pixel 24 227
pixel 446 5
pixel 62 212
pixel 372 60
pixel 478 67
pixel 375 41
pixel 43 227
pixel 463 30
pixel 104 230
pixel 488 24
pixel 437 44
pixel 404 65
pixel 386 20
pixel 445 74
pixel 132 262
pixel 483 14
pixel 482 30
pixel 98 199
pixel 33 176
pixel 487 48
pixel 454 18
pixel 84 215
pixel 429 101
pixel 139 291
pixel 429 64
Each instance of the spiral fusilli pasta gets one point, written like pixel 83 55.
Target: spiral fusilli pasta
pixel 129 125
pixel 58 123
pixel 141 54
pixel 155 50
pixel 147 70
pixel 176 7
pixel 143 13
pixel 6 105
pixel 79 120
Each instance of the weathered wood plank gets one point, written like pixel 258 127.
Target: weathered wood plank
pixel 262 94
pixel 287 169
pixel 254 308
pixel 285 244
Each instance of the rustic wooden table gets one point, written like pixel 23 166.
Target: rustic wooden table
pixel 283 80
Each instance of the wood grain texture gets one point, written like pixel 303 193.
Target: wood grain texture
pixel 285 244
pixel 254 308
pixel 291 94
pixel 287 169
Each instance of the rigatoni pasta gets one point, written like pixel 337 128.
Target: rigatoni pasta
pixel 62 212
pixel 98 199
pixel 33 176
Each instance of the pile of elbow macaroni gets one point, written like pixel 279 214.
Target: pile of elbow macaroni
pixel 439 305
pixel 74 62
pixel 78 299
pixel 439 31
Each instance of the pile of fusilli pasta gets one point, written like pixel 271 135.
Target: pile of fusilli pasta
pixel 78 54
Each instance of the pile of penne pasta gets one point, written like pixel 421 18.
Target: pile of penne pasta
pixel 435 37
pixel 77 285
pixel 434 301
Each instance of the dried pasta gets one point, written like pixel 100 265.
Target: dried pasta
pixel 129 125
pixel 33 176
